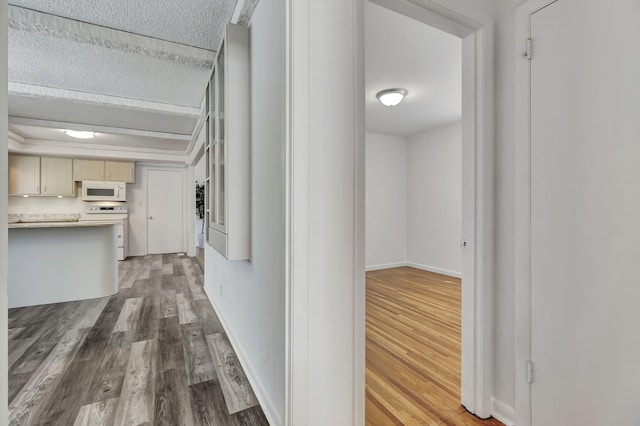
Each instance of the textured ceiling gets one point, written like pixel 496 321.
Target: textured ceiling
pixel 123 64
pixel 198 23
pixel 401 52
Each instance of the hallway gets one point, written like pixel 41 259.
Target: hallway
pixel 155 353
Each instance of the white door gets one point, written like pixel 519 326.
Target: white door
pixel 585 213
pixel 164 211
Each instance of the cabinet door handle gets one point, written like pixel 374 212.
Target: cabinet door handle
pixel 150 217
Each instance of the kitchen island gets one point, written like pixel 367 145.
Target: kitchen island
pixel 51 262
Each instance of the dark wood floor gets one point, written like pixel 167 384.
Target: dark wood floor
pixel 153 354
pixel 413 327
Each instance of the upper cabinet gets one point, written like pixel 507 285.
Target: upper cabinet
pixel 56 176
pixel 40 176
pixel 117 171
pixel 227 147
pixel 24 175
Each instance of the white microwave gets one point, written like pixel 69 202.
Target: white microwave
pixel 103 191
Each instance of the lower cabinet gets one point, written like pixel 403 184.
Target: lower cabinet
pixel 123 239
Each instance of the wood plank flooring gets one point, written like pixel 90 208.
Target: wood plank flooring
pixel 141 356
pixel 413 326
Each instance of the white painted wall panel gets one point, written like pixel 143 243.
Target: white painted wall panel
pixel 434 199
pixel 249 296
pixel 386 200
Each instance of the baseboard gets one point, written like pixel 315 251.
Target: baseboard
pixel 503 412
pixel 385 266
pixel 434 269
pixel 269 409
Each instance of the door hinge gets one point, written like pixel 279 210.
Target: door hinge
pixel 529 372
pixel 528 53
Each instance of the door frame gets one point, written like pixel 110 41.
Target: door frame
pixel 523 209
pixel 477 32
pixel 183 222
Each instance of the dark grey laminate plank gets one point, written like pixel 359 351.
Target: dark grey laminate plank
pixel 172 404
pixel 197 291
pixel 251 417
pixel 98 338
pixel 178 270
pixel 17 347
pixel 15 332
pixel 168 305
pixel 37 353
pixel 208 318
pixel 128 319
pixel 137 399
pixel 108 380
pixel 63 409
pixel 100 413
pixel 21 317
pixel 128 278
pixel 207 404
pixel 148 323
pixel 26 406
pixel 92 313
pixel 235 387
pixel 185 309
pixel 170 354
pixel 197 358
pixel 16 383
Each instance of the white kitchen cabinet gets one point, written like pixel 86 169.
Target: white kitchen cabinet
pixel 228 151
pixel 24 175
pixel 117 171
pixel 88 169
pixel 56 176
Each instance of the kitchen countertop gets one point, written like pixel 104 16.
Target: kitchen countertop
pixel 63 224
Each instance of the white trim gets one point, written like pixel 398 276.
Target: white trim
pixel 268 407
pixel 435 269
pixel 503 412
pixel 43 92
pixel 476 30
pixel 421 266
pixel 523 408
pixel 386 266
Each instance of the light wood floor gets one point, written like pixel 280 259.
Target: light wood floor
pixel 413 325
pixel 153 354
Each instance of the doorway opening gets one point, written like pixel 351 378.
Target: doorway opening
pixel 428 318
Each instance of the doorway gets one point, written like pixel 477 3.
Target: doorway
pixel 164 208
pixel 475 242
pixel 413 229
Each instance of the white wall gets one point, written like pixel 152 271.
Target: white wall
pixel 386 201
pixel 434 199
pixel 249 296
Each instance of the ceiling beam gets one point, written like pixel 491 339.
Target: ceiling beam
pixel 100 129
pixel 32 21
pixel 42 92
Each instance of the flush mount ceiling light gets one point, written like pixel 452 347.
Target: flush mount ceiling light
pixel 80 134
pixel 391 97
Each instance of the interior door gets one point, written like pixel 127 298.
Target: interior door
pixel 164 211
pixel 585 213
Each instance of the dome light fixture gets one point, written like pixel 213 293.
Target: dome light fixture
pixel 391 97
pixel 80 134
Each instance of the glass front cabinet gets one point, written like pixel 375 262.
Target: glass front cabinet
pixel 227 147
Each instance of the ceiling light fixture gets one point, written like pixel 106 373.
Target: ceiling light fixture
pixel 80 134
pixel 391 97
